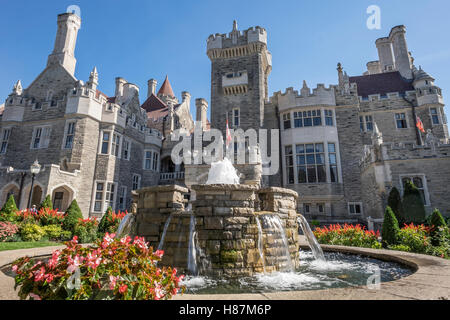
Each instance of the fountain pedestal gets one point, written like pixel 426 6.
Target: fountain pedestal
pixel 220 236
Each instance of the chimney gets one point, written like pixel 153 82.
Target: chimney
pixel 119 86
pixel 202 108
pixel 385 54
pixel 401 53
pixel 373 67
pixel 152 83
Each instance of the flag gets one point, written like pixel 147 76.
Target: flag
pixel 228 135
pixel 420 125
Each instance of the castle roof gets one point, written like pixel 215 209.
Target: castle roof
pixel 422 75
pixel 166 89
pixel 156 108
pixel 381 83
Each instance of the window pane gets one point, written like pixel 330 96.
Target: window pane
pixel 321 174
pixel 320 158
pixel 310 159
pixel 331 147
pixel 307 122
pixel 300 148
pixel 301 174
pixel 312 178
pixel 309 148
pixel 319 147
pixel 418 182
pixel 300 160
pixel 333 159
pixel 333 174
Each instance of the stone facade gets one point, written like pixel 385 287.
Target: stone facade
pixel 342 147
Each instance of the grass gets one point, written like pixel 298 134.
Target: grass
pixel 4 246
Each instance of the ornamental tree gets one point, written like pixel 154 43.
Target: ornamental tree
pixel 390 230
pixel 47 203
pixel 436 221
pixel 413 206
pixel 72 216
pixel 395 203
pixel 8 212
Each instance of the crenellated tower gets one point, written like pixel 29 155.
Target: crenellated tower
pixel 241 64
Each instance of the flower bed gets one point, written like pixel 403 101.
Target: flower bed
pixel 111 269
pixel 348 235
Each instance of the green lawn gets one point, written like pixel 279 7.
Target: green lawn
pixel 26 245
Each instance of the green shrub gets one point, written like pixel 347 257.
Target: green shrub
pixel 32 232
pixel 47 203
pixel 110 222
pixel 86 230
pixel 413 207
pixel 105 221
pixel 8 212
pixel 395 203
pixel 415 237
pixel 53 232
pixel 436 221
pixel 390 230
pixel 442 235
pixel 73 214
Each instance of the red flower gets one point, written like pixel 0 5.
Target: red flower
pixel 123 288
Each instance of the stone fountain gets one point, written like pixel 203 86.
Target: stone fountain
pixel 229 229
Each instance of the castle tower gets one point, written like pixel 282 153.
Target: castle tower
pixel 241 65
pixel 66 38
pixel 385 55
pixel 401 53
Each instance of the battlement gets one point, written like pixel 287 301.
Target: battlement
pixel 237 38
pixel 292 98
pixel 387 96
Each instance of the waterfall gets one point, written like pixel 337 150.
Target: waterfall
pixel 260 243
pixel 312 241
pixel 192 254
pixel 274 222
pixel 163 236
pixel 125 226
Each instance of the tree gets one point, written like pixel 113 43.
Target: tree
pixel 47 203
pixel 72 216
pixel 7 213
pixel 395 202
pixel 413 207
pixel 437 221
pixel 104 224
pixel 390 228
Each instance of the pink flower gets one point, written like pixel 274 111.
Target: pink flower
pixel 34 296
pixel 158 292
pixel 123 288
pixel 54 260
pixel 14 268
pixel 125 240
pixel 159 253
pixel 49 277
pixel 73 264
pixel 112 283
pixel 39 274
pixel 140 242
pixel 107 240
pixel 93 260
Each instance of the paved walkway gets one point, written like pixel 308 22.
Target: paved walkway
pixel 430 281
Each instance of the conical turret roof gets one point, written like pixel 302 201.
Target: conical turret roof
pixel 166 89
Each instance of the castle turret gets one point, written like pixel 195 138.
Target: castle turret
pixel 401 53
pixel 65 42
pixel 152 83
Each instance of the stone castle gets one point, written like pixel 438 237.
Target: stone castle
pixel 343 147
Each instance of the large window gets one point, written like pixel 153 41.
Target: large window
pixel 311 163
pixel 99 196
pixel 115 145
pixel 236 118
pixel 355 208
pixel 434 116
pixel 418 181
pixel 105 142
pixel 400 119
pixel 70 133
pixel 110 195
pixel 151 160
pixel 41 137
pixel 366 123
pixel 289 165
pixel 308 118
pixel 5 138
pixel 332 156
pixel 329 118
pixel 136 182
pixel 126 149
pixel 287 121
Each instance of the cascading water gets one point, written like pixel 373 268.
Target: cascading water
pixel 163 236
pixel 126 226
pixel 222 172
pixel 312 241
pixel 274 223
pixel 192 253
pixel 260 243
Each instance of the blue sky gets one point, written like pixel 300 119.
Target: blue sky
pixel 139 40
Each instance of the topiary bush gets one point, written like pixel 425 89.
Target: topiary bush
pixel 110 222
pixel 412 203
pixel 32 232
pixel 9 209
pixel 86 230
pixel 395 203
pixel 47 203
pixel 72 216
pixel 436 221
pixel 391 229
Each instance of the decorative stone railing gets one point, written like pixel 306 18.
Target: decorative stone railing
pixel 170 176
